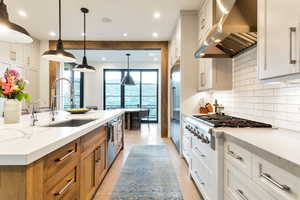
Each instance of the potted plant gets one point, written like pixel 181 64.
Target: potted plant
pixel 12 89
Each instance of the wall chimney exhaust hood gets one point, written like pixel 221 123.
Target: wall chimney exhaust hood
pixel 234 31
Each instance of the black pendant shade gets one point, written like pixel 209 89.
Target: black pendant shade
pixel 10 32
pixel 128 80
pixel 59 55
pixel 84 67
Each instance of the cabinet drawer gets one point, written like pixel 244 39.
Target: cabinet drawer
pixel 89 141
pixel 239 157
pixel 238 186
pixel 202 177
pixel 60 159
pixel 66 188
pixel 276 181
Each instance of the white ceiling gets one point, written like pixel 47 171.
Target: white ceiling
pixel 134 17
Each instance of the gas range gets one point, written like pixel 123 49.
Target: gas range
pixel 202 126
pixel 218 120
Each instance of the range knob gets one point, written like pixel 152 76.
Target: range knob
pixel 205 140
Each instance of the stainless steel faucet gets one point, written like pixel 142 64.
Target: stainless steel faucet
pixel 54 96
pixel 33 115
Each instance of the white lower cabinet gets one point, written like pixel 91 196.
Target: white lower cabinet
pixel 250 177
pixel 276 181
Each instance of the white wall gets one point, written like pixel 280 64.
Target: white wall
pixel 278 104
pixel 44 75
pixel 26 59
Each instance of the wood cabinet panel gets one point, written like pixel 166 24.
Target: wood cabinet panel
pixel 100 162
pixel 59 159
pixel 66 188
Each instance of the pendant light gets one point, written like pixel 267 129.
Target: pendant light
pixel 10 32
pixel 128 80
pixel 84 67
pixel 59 55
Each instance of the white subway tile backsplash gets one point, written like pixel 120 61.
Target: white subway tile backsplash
pixel 277 104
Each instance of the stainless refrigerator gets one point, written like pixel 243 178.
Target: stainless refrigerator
pixel 175 107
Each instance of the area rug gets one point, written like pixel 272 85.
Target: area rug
pixel 148 174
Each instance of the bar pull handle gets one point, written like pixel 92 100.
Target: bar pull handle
pixel 234 155
pixel 292 30
pixel 69 183
pixel 269 178
pixel 70 152
pixel 241 194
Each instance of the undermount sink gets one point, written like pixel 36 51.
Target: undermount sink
pixel 71 123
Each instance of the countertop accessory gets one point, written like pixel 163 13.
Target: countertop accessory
pixel 84 67
pixel 59 55
pixel 10 32
pixel 78 111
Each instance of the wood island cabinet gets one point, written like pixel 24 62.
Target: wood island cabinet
pixel 72 172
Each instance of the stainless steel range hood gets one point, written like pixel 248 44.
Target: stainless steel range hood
pixel 235 30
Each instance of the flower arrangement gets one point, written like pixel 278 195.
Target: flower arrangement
pixel 12 86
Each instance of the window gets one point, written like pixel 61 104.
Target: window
pixel 77 80
pixel 143 95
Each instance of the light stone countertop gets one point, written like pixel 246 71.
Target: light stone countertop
pixel 284 144
pixel 22 144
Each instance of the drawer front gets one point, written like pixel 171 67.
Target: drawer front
pixel 239 157
pixel 60 159
pixel 202 177
pixel 204 153
pixel 238 186
pixel 276 181
pixel 66 188
pixel 89 141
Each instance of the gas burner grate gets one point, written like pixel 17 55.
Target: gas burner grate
pixel 232 122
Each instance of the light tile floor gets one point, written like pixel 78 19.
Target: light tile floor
pixel 148 136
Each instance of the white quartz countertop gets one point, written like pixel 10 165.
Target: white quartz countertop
pixel 22 144
pixel 279 142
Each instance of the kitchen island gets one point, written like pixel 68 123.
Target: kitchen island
pixel 57 160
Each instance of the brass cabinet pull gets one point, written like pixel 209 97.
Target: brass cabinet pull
pixel 269 178
pixel 292 30
pixel 70 152
pixel 69 183
pixel 235 156
pixel 241 194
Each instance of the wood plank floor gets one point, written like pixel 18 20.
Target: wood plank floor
pixel 148 136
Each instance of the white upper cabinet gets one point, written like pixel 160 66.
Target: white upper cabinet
pixel 175 45
pixel 205 20
pixel 278 38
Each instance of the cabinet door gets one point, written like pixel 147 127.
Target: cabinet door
pixel 278 34
pixel 87 178
pixel 205 73
pixel 100 162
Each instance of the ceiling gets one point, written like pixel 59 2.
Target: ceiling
pixel 118 56
pixel 134 17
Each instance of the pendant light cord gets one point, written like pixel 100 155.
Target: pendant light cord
pixel 59 19
pixel 84 35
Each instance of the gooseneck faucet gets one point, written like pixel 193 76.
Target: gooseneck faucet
pixel 54 96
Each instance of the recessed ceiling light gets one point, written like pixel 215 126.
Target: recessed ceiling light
pixel 52 34
pixel 103 59
pixel 155 34
pixel 156 15
pixel 125 34
pixel 106 20
pixel 22 13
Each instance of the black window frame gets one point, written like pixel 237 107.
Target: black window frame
pixel 122 95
